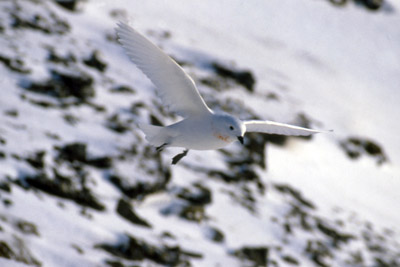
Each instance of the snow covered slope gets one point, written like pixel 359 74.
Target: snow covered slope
pixel 79 185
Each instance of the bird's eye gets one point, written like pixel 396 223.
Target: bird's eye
pixel 231 127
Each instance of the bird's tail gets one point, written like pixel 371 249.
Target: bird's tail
pixel 154 134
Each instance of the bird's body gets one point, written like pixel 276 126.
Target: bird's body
pixel 197 132
pixel 201 128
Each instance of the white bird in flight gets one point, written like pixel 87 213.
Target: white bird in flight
pixel 201 128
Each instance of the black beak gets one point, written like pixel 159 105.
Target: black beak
pixel 240 138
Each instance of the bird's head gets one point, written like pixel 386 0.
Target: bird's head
pixel 228 128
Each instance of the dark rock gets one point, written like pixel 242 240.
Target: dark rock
pixel 71 119
pixel 15 156
pixel 37 160
pixel 53 136
pixel 215 83
pixel 258 255
pixel 73 152
pixel 138 250
pixel 139 190
pixel 338 2
pixel 214 234
pixel 63 85
pixel 74 84
pixel 65 60
pixel 94 62
pixel 3 141
pixel 42 103
pixel 114 123
pixel 63 187
pixel 77 248
pixel 276 139
pixel 255 146
pixel 377 245
pixel 70 5
pixel 100 162
pixel 287 189
pixel 18 251
pixel 114 263
pixel 2 155
pixel 372 148
pixel 318 252
pixel 125 209
pixel 298 216
pixel 235 175
pixel 47 23
pixel 244 197
pixel 167 234
pixel 371 4
pixel 95 106
pixel 118 14
pixel 14 64
pixel 6 251
pixel 273 96
pixel 244 78
pixel 27 228
pixel 253 152
pixel 192 254
pixel 7 202
pixel 111 37
pixel 76 152
pixel 165 34
pixel 11 113
pixel 155 121
pixel 150 163
pixel 136 107
pixel 124 89
pixel 5 187
pixel 288 228
pixel 197 195
pixel 240 171
pixel 131 151
pixel 356 259
pixel 194 213
pixel 337 237
pixel 357 146
pixel 290 260
pixel 386 263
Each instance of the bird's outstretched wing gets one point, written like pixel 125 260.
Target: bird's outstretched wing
pixel 271 127
pixel 175 88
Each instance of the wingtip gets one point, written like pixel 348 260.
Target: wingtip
pixel 325 131
pixel 121 28
pixel 120 24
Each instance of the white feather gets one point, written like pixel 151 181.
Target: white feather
pixel 271 127
pixel 175 88
pixel 202 129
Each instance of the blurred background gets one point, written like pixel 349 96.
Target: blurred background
pixel 80 186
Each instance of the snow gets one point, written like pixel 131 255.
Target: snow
pixel 339 66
